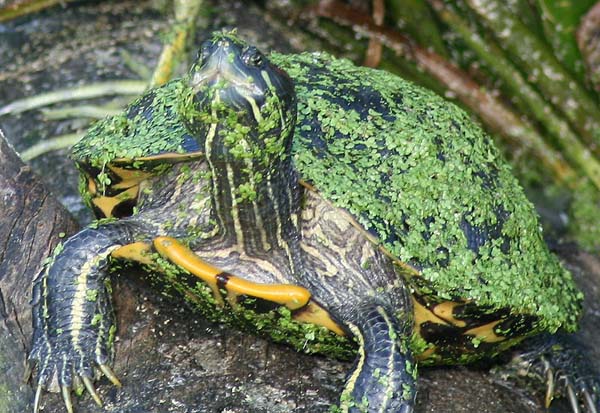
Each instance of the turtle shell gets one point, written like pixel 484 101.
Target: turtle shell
pixel 151 127
pixel 429 186
pixel 119 152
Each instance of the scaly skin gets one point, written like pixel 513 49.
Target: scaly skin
pixel 409 198
pixel 73 319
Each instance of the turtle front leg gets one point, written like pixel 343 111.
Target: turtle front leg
pixel 73 321
pixel 383 379
pixel 363 290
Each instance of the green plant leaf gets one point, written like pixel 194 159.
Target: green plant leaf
pixel 561 19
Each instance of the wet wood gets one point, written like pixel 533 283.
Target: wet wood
pixel 30 224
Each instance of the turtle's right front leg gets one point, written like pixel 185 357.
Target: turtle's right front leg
pixel 73 322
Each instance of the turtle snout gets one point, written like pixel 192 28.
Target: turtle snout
pixel 215 61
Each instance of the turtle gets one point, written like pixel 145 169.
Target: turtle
pixel 339 209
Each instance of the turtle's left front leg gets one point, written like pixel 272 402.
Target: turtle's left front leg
pixel 383 379
pixel 364 292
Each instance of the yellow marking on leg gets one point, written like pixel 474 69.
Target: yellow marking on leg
pixel 292 296
pixel 137 251
pixel 180 255
pixel 331 270
pixel 430 352
pixel 486 332
pixel 346 396
pixel 445 311
pixel 424 314
pixel 92 188
pixel 313 313
pixel 264 265
pixel 81 295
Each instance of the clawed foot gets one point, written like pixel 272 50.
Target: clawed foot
pixel 560 364
pixel 580 391
pixel 62 367
pixel 72 349
pixel 60 372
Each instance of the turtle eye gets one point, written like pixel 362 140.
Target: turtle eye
pixel 202 54
pixel 252 57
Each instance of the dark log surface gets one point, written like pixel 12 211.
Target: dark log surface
pixel 30 222
pixel 168 358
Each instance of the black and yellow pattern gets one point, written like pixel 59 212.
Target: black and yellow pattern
pixel 338 209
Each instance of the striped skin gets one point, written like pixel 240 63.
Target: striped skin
pixel 73 319
pixel 323 250
pixel 360 287
pixel 243 211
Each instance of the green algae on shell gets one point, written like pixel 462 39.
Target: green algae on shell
pixel 416 172
pixel 410 167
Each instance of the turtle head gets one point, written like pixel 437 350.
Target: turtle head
pixel 240 106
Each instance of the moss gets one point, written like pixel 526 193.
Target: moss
pixel 91 295
pixel 96 320
pixel 276 324
pixel 102 221
pixel 416 172
pixel 151 125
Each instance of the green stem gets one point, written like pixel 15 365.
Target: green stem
pixel 9 12
pixel 85 111
pixel 569 142
pixel 186 12
pixel 114 87
pixel 555 82
pixel 494 113
pixel 48 145
pixel 415 18
pixel 135 66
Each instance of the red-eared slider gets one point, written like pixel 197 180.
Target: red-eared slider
pixel 339 209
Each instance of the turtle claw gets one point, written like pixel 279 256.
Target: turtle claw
pixel 37 399
pixel 587 396
pixel 65 389
pixel 588 400
pixel 66 394
pixel 558 363
pixel 549 386
pixel 572 396
pixel 581 392
pixel 92 390
pixel 110 374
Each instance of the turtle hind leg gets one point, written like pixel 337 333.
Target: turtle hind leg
pixel 292 296
pixel 558 362
pixel 383 379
